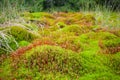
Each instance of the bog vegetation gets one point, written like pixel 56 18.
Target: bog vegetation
pixel 59 40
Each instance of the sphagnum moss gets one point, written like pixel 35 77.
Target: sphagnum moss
pixel 71 46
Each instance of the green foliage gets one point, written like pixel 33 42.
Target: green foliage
pixel 62 5
pixel 2 20
pixel 76 5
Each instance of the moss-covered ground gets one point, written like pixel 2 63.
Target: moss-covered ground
pixel 60 46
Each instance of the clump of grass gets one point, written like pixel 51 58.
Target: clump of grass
pixel 107 19
pixel 7 43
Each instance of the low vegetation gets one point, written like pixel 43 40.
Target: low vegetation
pixel 60 45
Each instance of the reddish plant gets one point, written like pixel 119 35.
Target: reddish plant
pixel 34 44
pixel 107 50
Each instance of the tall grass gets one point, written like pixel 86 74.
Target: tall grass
pixel 11 9
pixel 105 15
pixel 8 11
pixel 7 43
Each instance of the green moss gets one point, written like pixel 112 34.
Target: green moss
pixel 76 29
pixel 87 44
pixel 61 24
pixel 112 42
pixel 106 36
pixel 20 34
pixel 117 32
pixel 115 63
pixel 55 35
pixel 100 35
pixel 78 16
pixel 53 62
pixel 23 43
pixel 100 76
pixel 89 18
pixel 6 70
pixel 41 14
pixel 55 59
pixel 77 54
pixel 44 32
pixel 68 43
pixel 44 59
pixel 37 16
pixel 96 40
pixel 93 63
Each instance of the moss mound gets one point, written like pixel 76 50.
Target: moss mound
pixel 53 62
pixel 44 59
pixel 21 34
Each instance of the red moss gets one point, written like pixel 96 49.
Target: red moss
pixel 108 50
pixel 36 43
